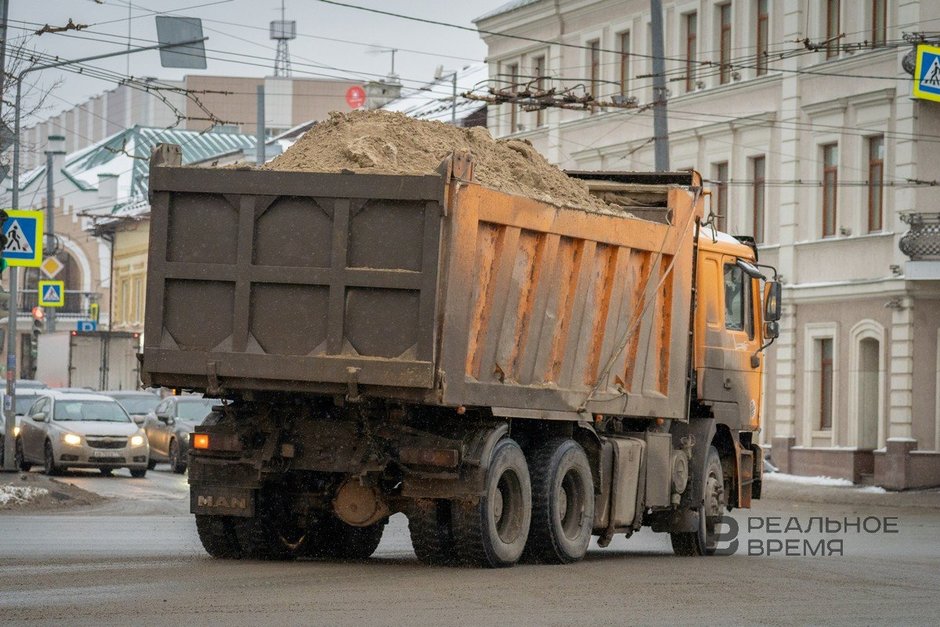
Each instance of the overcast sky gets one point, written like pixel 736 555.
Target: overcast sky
pixel 331 40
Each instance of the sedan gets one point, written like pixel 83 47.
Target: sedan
pixel 136 403
pixel 171 425
pixel 70 430
pixel 24 400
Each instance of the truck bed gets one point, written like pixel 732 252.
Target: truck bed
pixel 427 289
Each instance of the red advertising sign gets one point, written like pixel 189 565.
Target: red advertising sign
pixel 355 96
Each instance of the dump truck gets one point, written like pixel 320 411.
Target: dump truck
pixel 513 376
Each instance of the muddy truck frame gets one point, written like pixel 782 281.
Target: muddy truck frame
pixel 515 377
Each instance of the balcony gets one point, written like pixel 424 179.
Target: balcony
pixel 77 304
pixel 922 244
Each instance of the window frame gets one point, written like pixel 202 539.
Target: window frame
pixel 690 21
pixel 830 189
pixel 594 69
pixel 721 171
pixel 623 40
pixel 833 26
pixel 513 72
pixel 826 383
pixel 746 300
pixel 762 12
pixel 876 168
pixel 724 42
pixel 879 28
pixel 538 68
pixel 758 197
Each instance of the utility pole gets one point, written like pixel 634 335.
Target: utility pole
pixel 54 147
pixel 453 103
pixel 660 122
pixel 259 126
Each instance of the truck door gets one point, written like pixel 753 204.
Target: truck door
pixel 741 357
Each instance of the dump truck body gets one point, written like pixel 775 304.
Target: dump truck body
pixel 470 357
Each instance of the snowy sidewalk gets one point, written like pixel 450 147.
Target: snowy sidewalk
pixel 780 486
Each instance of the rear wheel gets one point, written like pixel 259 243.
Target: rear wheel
pixel 217 534
pixel 432 535
pixel 562 503
pixel 704 540
pixel 177 462
pixel 492 530
pixel 138 473
pixel 49 465
pixel 331 538
pixel 19 460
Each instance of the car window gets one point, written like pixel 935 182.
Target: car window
pixel 39 405
pixel 195 411
pixel 24 403
pixel 161 408
pixel 138 404
pixel 96 411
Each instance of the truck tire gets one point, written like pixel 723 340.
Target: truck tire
pixel 562 503
pixel 432 535
pixel 492 530
pixel 704 541
pixel 217 535
pixel 331 538
pixel 268 536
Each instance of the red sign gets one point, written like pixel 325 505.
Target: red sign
pixel 355 96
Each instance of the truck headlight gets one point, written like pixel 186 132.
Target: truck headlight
pixel 71 438
pixel 137 440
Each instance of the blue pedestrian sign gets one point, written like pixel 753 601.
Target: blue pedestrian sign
pixel 23 231
pixel 927 73
pixel 86 326
pixel 51 293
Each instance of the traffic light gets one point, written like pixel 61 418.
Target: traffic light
pixel 39 321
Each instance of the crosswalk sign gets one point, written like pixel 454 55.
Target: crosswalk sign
pixel 927 73
pixel 23 231
pixel 51 293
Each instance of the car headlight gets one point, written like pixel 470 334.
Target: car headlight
pixel 71 438
pixel 137 440
pixel 16 431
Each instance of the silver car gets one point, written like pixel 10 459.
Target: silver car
pixel 73 430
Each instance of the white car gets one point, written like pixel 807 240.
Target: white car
pixel 73 430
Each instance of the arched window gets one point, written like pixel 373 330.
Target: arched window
pixel 866 385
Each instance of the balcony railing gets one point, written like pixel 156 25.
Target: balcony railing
pixel 77 303
pixel 922 241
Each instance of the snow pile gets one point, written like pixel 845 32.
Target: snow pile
pixel 830 481
pixel 15 495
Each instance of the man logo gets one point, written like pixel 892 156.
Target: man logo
pixel 232 502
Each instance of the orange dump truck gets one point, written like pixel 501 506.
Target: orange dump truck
pixel 513 376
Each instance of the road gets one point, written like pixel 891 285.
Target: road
pixel 137 559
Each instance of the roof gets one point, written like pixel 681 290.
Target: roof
pixel 434 101
pixel 505 8
pixel 59 395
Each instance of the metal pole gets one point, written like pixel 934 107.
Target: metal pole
pixel 453 104
pixel 50 217
pixel 9 401
pixel 259 125
pixel 660 123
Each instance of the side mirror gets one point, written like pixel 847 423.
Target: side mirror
pixel 771 330
pixel 40 417
pixel 139 419
pixel 772 294
pixel 165 419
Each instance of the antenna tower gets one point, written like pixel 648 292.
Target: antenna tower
pixel 282 31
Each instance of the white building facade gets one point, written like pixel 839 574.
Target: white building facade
pixel 799 115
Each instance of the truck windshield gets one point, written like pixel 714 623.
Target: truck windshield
pixel 96 411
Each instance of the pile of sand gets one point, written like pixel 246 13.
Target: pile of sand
pixel 383 142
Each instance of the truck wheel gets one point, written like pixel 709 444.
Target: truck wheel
pixel 562 503
pixel 177 464
pixel 432 535
pixel 704 541
pixel 217 535
pixel 331 538
pixel 492 531
pixel 49 465
pixel 19 459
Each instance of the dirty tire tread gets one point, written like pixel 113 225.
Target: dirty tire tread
pixel 176 461
pixel 693 543
pixel 49 466
pixel 431 533
pixel 218 536
pixel 19 459
pixel 543 546
pixel 331 538
pixel 469 518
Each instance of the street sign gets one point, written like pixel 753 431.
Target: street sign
pixel 23 230
pixel 51 267
pixel 51 293
pixel 179 30
pixel 355 96
pixel 927 73
pixel 86 326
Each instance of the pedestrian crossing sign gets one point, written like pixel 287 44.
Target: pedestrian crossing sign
pixel 23 231
pixel 51 293
pixel 927 73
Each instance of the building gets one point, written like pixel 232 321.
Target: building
pixel 442 99
pixel 232 100
pixel 815 149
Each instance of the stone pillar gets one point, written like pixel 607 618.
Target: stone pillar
pixel 893 466
pixel 901 369
pixel 781 452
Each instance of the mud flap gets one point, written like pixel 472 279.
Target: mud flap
pixel 221 501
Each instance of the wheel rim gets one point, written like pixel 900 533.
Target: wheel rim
pixel 571 503
pixel 712 510
pixel 507 507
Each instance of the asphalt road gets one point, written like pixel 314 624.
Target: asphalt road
pixel 137 560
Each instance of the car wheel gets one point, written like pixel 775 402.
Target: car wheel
pixel 49 465
pixel 107 472
pixel 138 473
pixel 19 460
pixel 177 464
pixel 151 463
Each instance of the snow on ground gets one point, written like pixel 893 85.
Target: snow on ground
pixel 13 495
pixel 873 489
pixel 830 481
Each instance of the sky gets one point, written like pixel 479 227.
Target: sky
pixel 332 41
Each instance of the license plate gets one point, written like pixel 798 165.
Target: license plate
pixel 108 454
